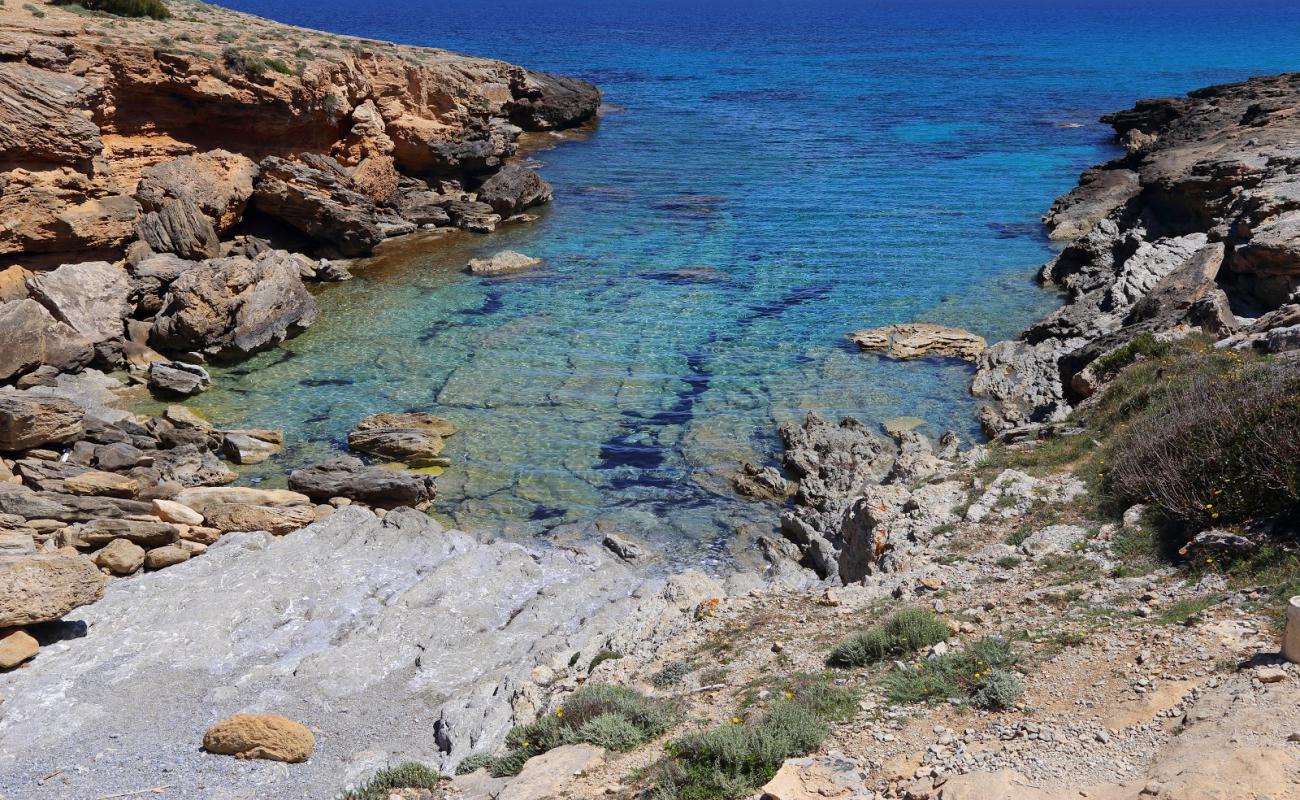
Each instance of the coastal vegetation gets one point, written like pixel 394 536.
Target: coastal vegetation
pixel 153 9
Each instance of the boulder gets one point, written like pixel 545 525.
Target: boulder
pixel 319 200
pixel 167 556
pixel 120 557
pixel 920 340
pixel 152 276
pixel 235 306
pixel 16 647
pixel 229 517
pixel 28 421
pixel 251 447
pixel 22 501
pixel 192 465
pixel 513 188
pixel 45 586
pixel 13 283
pixel 414 438
pixel 101 484
pixel 117 456
pixel 30 337
pixel 218 182
pixel 473 216
pixel 503 262
pixel 421 206
pixel 180 227
pixel 100 532
pixel 549 102
pixel 349 477
pixel 202 499
pixel 42 116
pixel 267 736
pixel 178 378
pixel 1100 191
pixel 91 298
pixel 177 513
pixel 17 540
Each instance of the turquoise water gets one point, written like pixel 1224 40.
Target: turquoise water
pixel 818 167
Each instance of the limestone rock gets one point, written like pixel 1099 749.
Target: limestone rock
pixel 176 513
pixel 228 517
pixel 100 532
pixel 235 306
pixel 920 340
pixel 217 181
pixel 544 775
pixel 250 447
pixel 179 227
pixel 28 421
pixel 16 647
pixel 319 200
pixel 30 337
pixel 544 102
pixel 178 378
pixel 166 556
pixel 91 298
pixel 473 216
pixel 45 586
pixel 503 262
pixel 120 557
pixel 202 499
pixel 41 116
pixel 349 477
pixel 97 483
pixel 1100 191
pixel 414 438
pixel 267 736
pixel 513 188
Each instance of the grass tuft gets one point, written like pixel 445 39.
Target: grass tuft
pixel 903 634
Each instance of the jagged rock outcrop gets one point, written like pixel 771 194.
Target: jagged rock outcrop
pixel 218 182
pixel 920 340
pixel 30 337
pixel 513 188
pixel 319 199
pixel 91 298
pixel 351 478
pixel 1195 227
pixel 235 306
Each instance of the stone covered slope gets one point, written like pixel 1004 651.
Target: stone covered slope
pixel 391 638
pixel 89 103
pixel 1197 225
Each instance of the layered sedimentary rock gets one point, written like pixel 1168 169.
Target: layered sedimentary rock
pixel 1196 226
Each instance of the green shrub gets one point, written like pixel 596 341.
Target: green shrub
pixel 602 657
pixel 1215 446
pixel 954 675
pixel 474 763
pixel 1144 345
pixel 227 36
pixel 610 716
pixel 904 633
pixel 409 775
pixel 672 674
pixel 154 9
pixel 997 690
pixel 279 66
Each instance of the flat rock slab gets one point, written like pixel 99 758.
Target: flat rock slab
pixel 920 340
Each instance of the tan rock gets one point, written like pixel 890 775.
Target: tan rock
pixel 229 517
pixel 250 447
pixel 44 587
pixel 503 262
pixel 798 779
pixel 267 736
pixel 193 548
pixel 13 283
pixel 199 534
pixel 203 497
pixel 920 340
pixel 161 557
pixel 120 557
pixel 28 422
pixel 102 484
pixel 172 511
pixel 99 532
pixel 16 647
pixel 544 775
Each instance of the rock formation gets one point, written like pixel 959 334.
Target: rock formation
pixel 1196 226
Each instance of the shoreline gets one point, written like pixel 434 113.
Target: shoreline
pixel 607 604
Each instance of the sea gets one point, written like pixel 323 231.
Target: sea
pixel 766 177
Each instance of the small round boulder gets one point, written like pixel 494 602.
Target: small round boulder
pixel 267 736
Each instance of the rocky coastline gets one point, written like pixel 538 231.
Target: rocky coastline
pixel 169 212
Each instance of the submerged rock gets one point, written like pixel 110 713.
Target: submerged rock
pixel 920 340
pixel 413 438
pixel 503 262
pixel 351 478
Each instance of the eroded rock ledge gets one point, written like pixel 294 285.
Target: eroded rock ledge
pixel 1197 226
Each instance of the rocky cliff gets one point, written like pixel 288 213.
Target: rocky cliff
pixel 189 151
pixel 1197 225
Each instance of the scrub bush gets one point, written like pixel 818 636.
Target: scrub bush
pixel 903 634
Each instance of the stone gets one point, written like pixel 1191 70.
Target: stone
pixel 16 647
pixel 1100 191
pixel 473 216
pixel 99 532
pixel 546 102
pixel 542 776
pixel 179 227
pixel 30 421
pixel 203 498
pixel 218 182
pixel 235 306
pixel 44 587
pixel 228 517
pixel 176 513
pixel 17 541
pixel 421 206
pixel 349 477
pixel 178 378
pixel 1053 539
pixel 504 262
pixel 624 547
pixel 319 200
pixel 762 483
pixel 91 298
pixel 1291 633
pixel 105 484
pixel 41 119
pixel 120 557
pixel 167 556
pixel 920 340
pixel 30 337
pixel 804 779
pixel 152 275
pixel 1270 675
pixel 199 535
pixel 13 284
pixel 244 447
pixel 265 736
pixel 414 438
pixel 192 465
pixel 514 188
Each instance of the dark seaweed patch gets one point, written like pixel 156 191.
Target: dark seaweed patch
pixel 326 382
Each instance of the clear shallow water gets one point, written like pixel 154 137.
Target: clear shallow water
pixel 830 166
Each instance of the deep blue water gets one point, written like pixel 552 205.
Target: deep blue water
pixel 834 165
